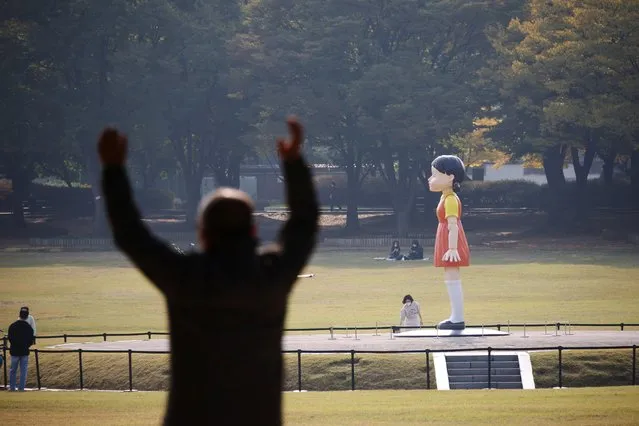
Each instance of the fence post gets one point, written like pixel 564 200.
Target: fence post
pixel 352 369
pixel 149 334
pixel 498 327
pixel 104 336
pixel 65 337
pixel 634 365
pixel 489 367
pixel 561 379
pixel 427 368
pixel 4 356
pixel 299 370
pixel 621 326
pixel 356 338
pixel 81 375
pixel 130 371
pixel 37 368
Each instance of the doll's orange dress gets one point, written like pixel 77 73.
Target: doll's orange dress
pixel 450 205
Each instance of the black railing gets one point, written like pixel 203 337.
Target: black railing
pixel 557 326
pixel 560 350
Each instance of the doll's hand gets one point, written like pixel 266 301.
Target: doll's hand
pixel 451 255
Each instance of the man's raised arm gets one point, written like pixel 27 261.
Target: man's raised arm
pixel 299 234
pixel 159 263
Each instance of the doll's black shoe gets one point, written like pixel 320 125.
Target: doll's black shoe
pixel 448 325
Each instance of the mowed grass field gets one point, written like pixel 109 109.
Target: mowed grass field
pixel 102 292
pixel 548 407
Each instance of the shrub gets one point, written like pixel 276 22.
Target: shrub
pixel 503 193
pixel 594 194
pixel 154 199
pixel 66 202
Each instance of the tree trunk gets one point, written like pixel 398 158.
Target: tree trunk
pixel 582 170
pixel 100 227
pixel 94 169
pixel 94 176
pixel 404 200
pixel 20 192
pixel 553 160
pixel 608 168
pixel 402 216
pixel 580 207
pixel 193 184
pixel 634 176
pixel 352 191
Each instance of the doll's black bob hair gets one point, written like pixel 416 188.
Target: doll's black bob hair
pixel 451 165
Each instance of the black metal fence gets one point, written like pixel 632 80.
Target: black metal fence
pixel 427 352
pixel 556 326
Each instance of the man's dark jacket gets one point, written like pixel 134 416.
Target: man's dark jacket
pixel 226 308
pixel 20 337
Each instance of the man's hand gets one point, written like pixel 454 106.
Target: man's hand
pixel 289 150
pixel 112 147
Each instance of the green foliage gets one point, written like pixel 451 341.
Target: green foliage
pixel 507 194
pixel 155 199
pixel 66 202
pixel 567 74
pixel 511 194
pixel 596 192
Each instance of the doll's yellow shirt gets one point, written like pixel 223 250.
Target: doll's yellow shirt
pixel 451 206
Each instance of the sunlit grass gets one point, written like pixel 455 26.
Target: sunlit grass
pixel 553 407
pixel 101 292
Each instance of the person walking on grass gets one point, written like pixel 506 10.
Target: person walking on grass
pixel 226 303
pixel 20 340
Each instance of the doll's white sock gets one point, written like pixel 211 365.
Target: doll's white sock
pixel 456 297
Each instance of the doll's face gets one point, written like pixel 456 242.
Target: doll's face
pixel 439 181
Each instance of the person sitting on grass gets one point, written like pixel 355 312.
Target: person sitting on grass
pixel 226 303
pixel 416 251
pixel 395 252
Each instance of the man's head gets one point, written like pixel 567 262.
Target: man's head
pixel 224 217
pixel 24 313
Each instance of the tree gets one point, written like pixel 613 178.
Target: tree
pixel 567 81
pixel 32 125
pixel 381 82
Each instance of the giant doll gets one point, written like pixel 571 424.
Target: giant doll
pixel 451 247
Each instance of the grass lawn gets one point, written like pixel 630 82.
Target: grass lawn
pixel 101 292
pixel 568 406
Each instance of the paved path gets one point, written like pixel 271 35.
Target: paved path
pixel 383 342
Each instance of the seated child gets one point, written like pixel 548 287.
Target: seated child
pixel 416 251
pixel 395 252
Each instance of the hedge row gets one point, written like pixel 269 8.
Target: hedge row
pixel 507 193
pixel 73 202
pixel 78 201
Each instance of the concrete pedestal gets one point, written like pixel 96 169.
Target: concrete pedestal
pixel 467 332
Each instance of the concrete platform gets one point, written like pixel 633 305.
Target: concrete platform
pixel 467 332
pixel 385 341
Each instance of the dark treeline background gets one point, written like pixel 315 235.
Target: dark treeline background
pixel 383 87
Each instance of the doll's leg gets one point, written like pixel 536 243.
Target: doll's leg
pixel 452 278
